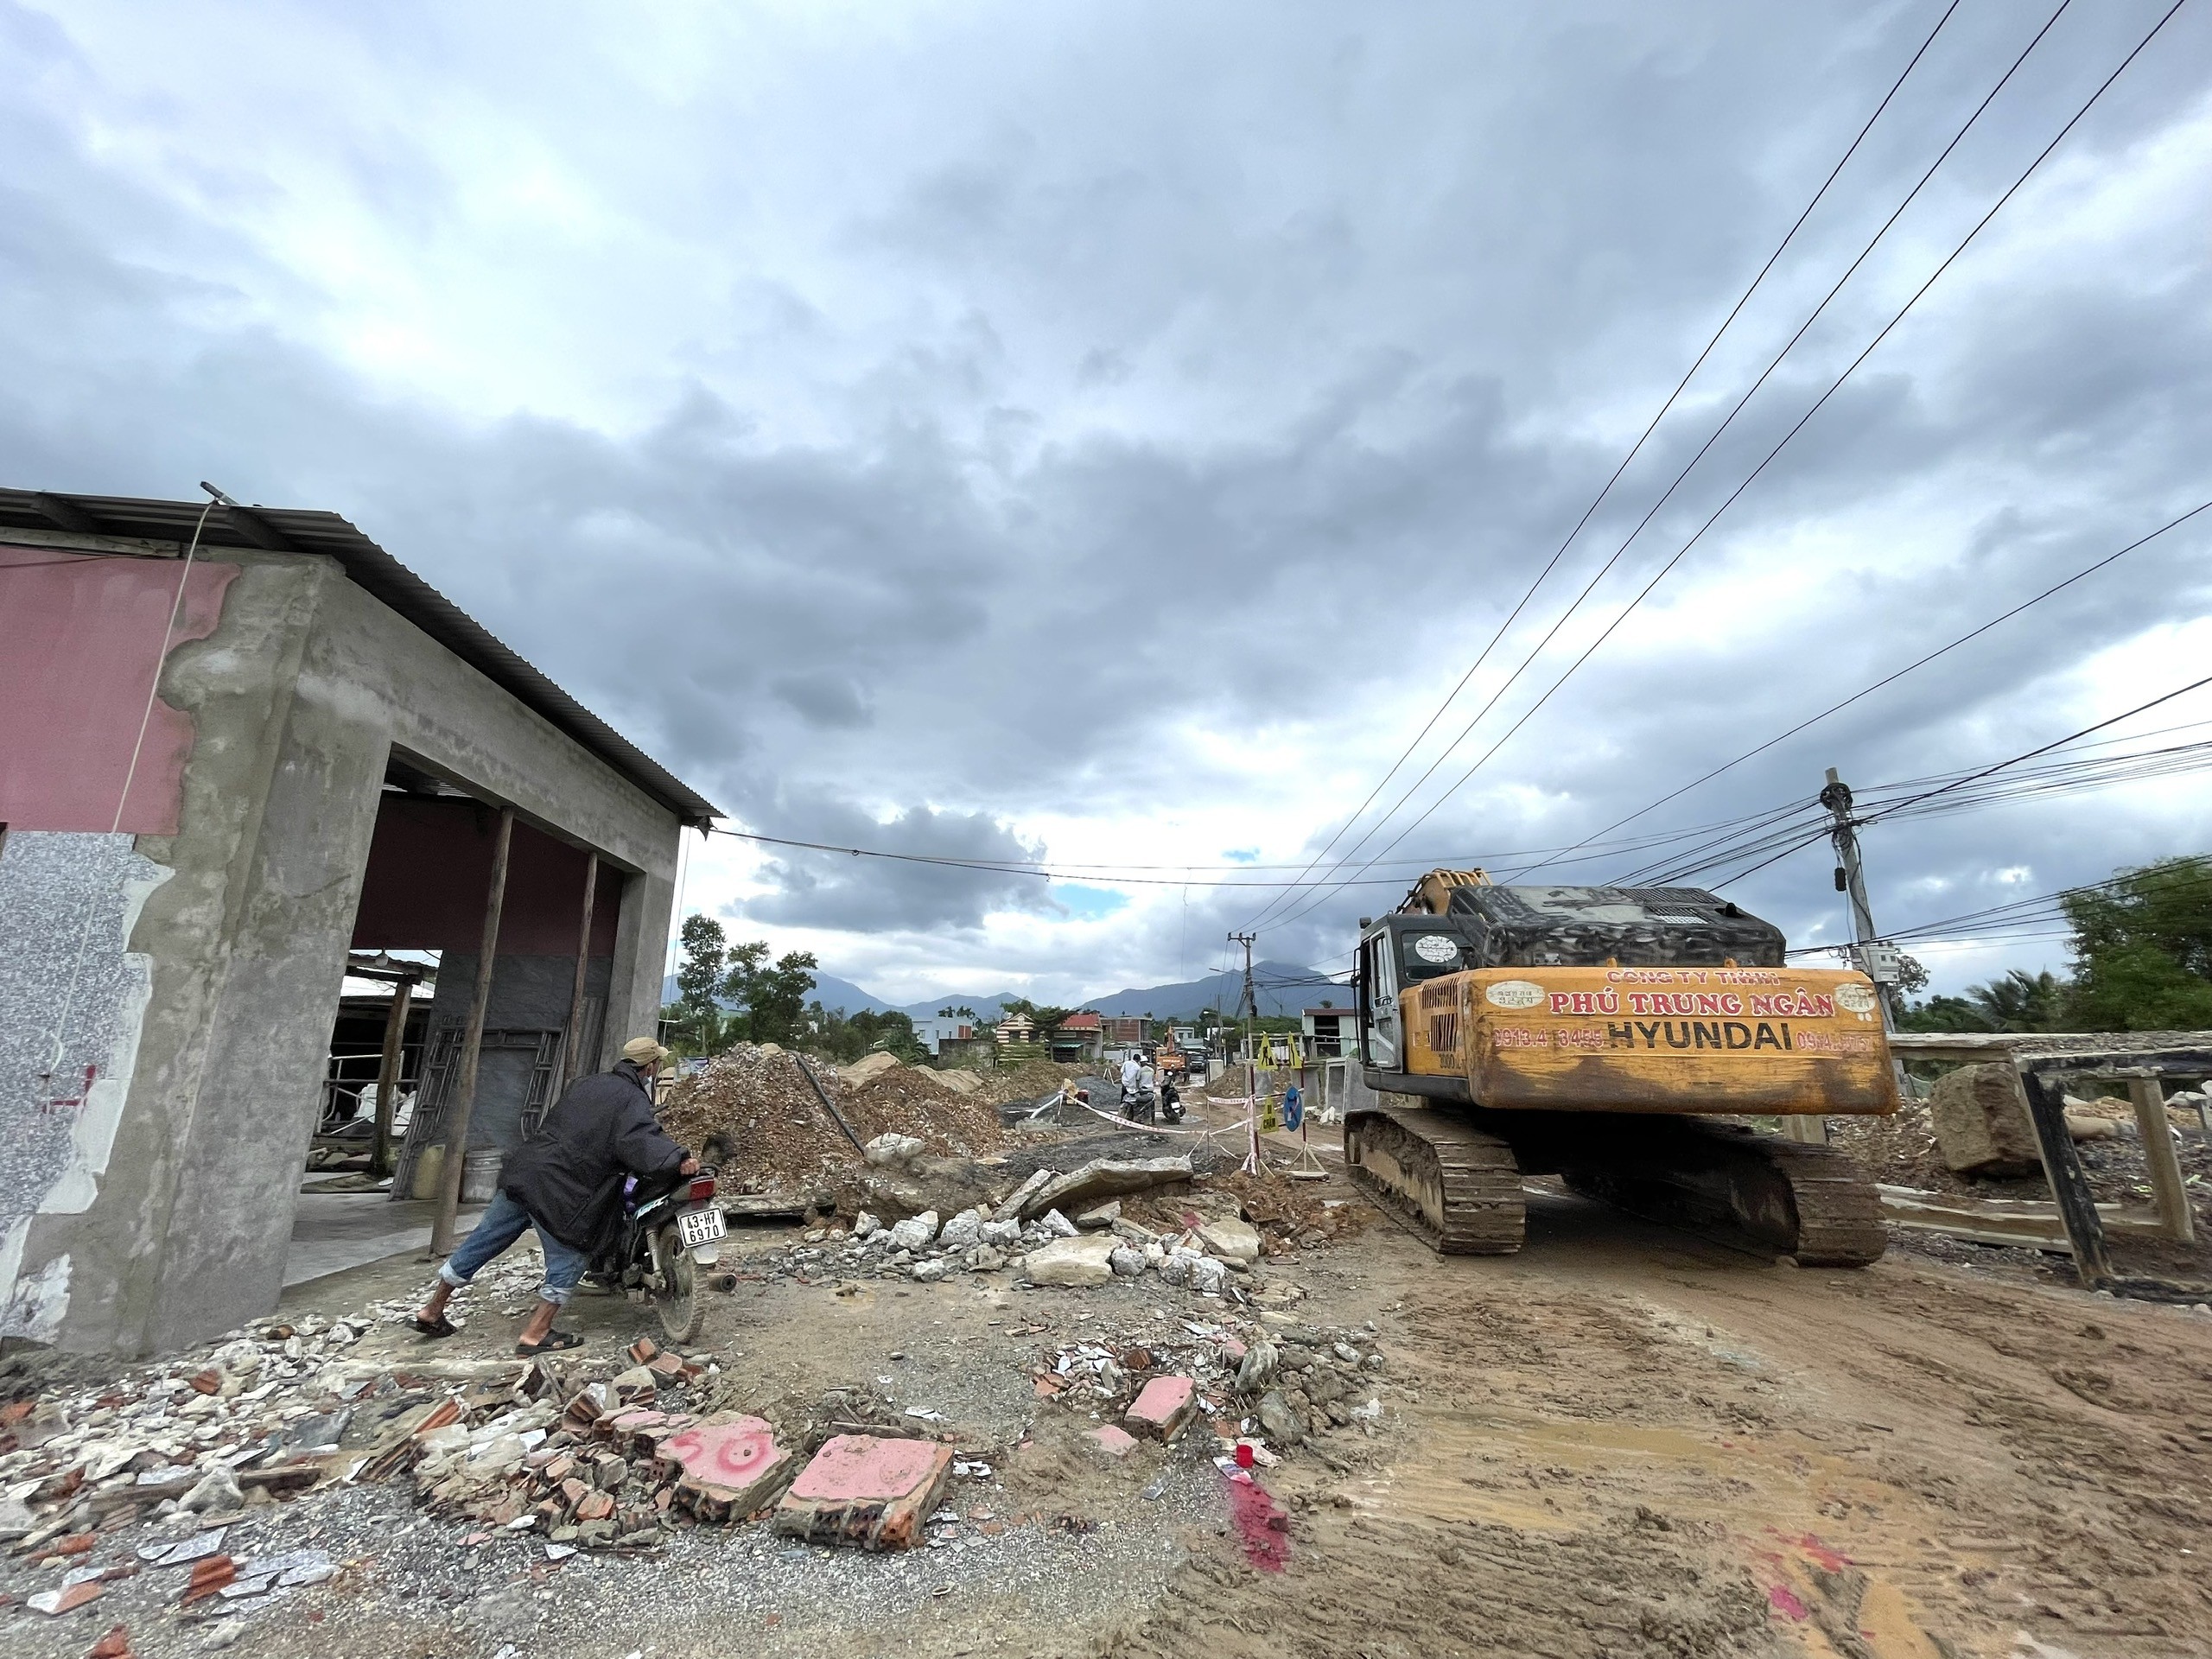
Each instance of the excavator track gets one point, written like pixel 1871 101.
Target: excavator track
pixel 1453 1187
pixel 1813 1203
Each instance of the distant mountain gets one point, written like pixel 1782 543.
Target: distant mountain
pixel 986 1007
pixel 838 995
pixel 1280 988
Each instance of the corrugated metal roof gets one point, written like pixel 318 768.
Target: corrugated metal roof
pixel 292 529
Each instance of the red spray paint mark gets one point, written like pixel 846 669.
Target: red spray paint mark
pixel 1262 1524
pixel 1832 1561
pixel 71 1103
pixel 1784 1601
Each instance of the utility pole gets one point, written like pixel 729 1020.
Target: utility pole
pixel 1878 962
pixel 1249 1007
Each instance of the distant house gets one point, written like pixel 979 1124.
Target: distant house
pixel 1016 1029
pixel 1331 1032
pixel 1078 1037
pixel 1125 1031
pixel 937 1029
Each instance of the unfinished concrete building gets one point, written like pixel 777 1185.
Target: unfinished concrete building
pixel 223 770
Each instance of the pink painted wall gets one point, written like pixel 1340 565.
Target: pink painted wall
pixel 82 640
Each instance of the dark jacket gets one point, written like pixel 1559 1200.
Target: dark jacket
pixel 570 1176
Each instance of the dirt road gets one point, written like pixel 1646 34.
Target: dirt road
pixel 1621 1442
pixel 1625 1442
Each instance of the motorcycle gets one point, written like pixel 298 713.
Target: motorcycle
pixel 669 1238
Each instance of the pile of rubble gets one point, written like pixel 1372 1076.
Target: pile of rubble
pixel 1028 1231
pixel 1278 1382
pixel 250 1422
pixel 785 1136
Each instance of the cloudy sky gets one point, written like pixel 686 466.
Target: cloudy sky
pixel 1101 436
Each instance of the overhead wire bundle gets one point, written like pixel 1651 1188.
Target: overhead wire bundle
pixel 1334 886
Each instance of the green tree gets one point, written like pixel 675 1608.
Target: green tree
pixel 844 1037
pixel 2018 1002
pixel 774 999
pixel 699 1024
pixel 2143 949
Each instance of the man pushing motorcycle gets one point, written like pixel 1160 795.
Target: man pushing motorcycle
pixel 568 1183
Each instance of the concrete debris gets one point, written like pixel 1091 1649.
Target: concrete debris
pixel 886 1149
pixel 1057 1225
pixel 1016 1203
pixel 1105 1216
pixel 1113 1442
pixel 1108 1178
pixel 915 1232
pixel 963 1232
pixel 217 1493
pixel 1073 1262
pixel 862 1489
pixel 1981 1127
pixel 1162 1408
pixel 727 1468
pixel 1231 1239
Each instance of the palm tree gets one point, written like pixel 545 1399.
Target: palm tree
pixel 2020 1001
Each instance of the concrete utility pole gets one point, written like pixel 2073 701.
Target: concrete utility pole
pixel 1249 1007
pixel 472 1044
pixel 1880 962
pixel 1851 881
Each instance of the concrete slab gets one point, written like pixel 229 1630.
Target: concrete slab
pixel 727 1468
pixel 865 1490
pixel 1112 1441
pixel 1161 1408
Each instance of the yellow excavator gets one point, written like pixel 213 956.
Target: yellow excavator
pixel 1585 1033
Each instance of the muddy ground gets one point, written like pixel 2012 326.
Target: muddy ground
pixel 1621 1442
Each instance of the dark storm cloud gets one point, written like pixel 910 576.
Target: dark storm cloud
pixel 1180 374
pixel 837 890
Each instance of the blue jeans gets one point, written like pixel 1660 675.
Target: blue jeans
pixel 503 1223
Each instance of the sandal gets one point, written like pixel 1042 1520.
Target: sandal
pixel 443 1327
pixel 555 1341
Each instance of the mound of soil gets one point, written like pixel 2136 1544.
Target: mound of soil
pixel 783 1138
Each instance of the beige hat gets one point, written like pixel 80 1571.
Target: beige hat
pixel 643 1050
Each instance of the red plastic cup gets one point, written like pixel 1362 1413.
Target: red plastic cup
pixel 1243 1455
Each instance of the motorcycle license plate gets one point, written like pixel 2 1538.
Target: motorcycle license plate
pixel 697 1227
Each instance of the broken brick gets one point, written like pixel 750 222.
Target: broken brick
pixel 446 1411
pixel 1112 1441
pixel 573 1493
pixel 643 1351
pixel 209 1574
pixel 636 1386
pixel 865 1490
pixel 725 1468
pixel 57 1602
pixel 608 1471
pixel 596 1506
pixel 668 1368
pixel 208 1382
pixel 1166 1404
pixel 116 1644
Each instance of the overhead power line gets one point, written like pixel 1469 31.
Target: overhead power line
pixel 1835 386
pixel 1635 449
pixel 1864 692
pixel 1729 420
